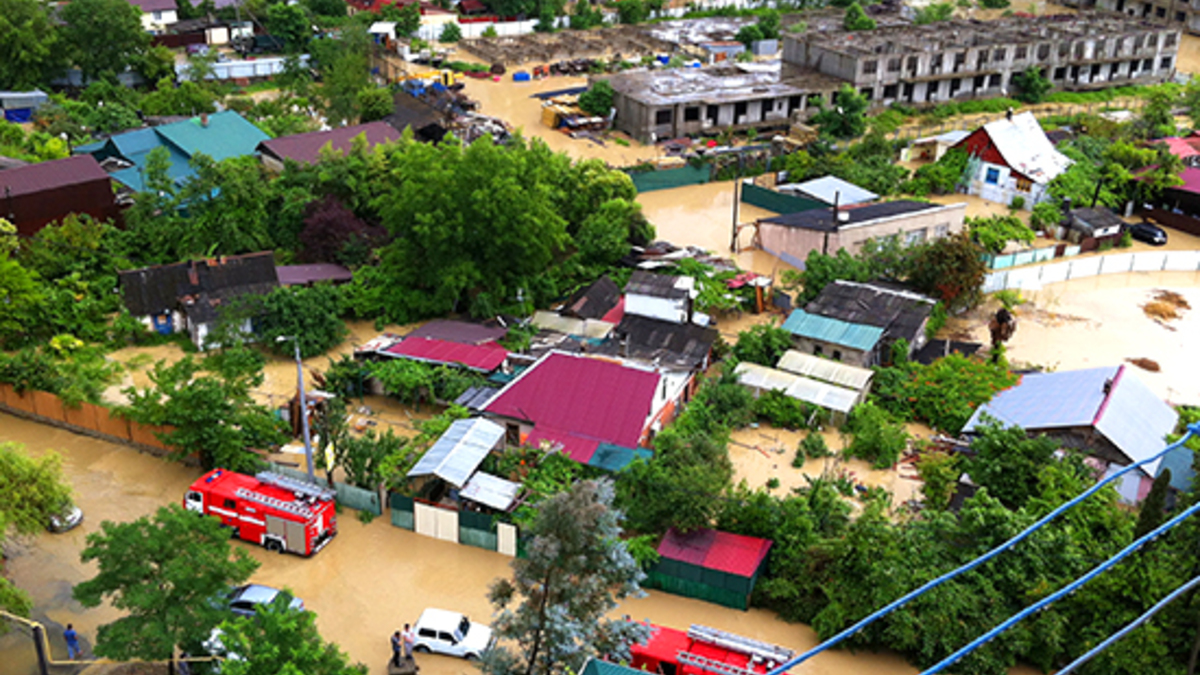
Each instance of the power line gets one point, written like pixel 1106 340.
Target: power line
pixel 1130 626
pixel 1060 593
pixel 1192 429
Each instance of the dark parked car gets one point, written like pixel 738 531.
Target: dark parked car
pixel 1151 234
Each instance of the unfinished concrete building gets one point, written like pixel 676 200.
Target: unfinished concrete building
pixel 916 65
pixel 1179 11
pixel 970 59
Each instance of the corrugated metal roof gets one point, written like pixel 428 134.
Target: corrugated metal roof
pixel 456 455
pixel 226 135
pixel 734 554
pixel 1130 416
pixel 552 321
pixel 485 358
pixel 825 370
pixel 598 667
pixel 306 148
pixel 462 332
pixel 590 397
pixel 491 491
pixel 1025 148
pixel 1135 419
pixel 823 394
pixel 35 178
pixel 577 447
pixel 1179 461
pixel 855 336
pixel 593 301
pixel 829 189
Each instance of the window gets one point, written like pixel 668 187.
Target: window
pixel 1169 41
pixel 739 109
pixel 837 355
pixel 1021 54
pixel 157 16
pixel 1139 42
pixel 992 177
pixel 890 91
pixel 1000 55
pixel 869 67
pixel 427 633
pixel 1043 52
pixel 1160 12
pixel 1165 63
pixel 1152 39
pixel 512 437
pixel 914 237
pixel 893 65
pixel 817 350
pixel 1060 73
pixel 1063 49
pixel 1079 48
pixel 1148 64
pixel 663 116
pixel 993 80
pixel 230 504
pixel 711 112
pixel 912 64
pixel 691 114
pixel 1024 184
pixel 940 231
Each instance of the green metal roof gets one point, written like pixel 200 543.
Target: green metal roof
pixel 227 135
pixel 835 331
pixel 598 667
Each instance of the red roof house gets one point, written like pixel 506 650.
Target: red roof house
pixel 483 357
pixel 306 148
pixel 35 195
pixel 580 402
pixel 711 565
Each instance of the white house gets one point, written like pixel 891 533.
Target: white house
pixel 157 14
pixel 1010 158
pixel 660 296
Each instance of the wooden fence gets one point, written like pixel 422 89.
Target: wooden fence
pixel 86 418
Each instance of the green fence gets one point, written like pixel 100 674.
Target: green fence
pixel 477 529
pixel 777 201
pixel 692 581
pixel 665 179
pixel 402 511
pixel 347 495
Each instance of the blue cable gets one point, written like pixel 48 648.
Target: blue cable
pixel 1132 625
pixel 1192 429
pixel 1069 588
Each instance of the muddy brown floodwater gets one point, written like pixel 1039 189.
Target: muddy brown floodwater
pixel 364 585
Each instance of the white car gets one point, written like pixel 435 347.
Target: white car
pixel 451 633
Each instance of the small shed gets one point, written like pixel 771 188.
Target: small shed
pixel 456 455
pixel 710 565
pixel 491 491
pixel 1099 223
pixel 760 379
pixel 19 106
pixel 830 190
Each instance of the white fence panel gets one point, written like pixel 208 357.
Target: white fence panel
pixel 425 519
pixel 506 539
pixel 447 525
pixel 1149 261
pixel 1117 263
pixel 1182 261
pixel 1056 272
pixel 1085 267
pixel 995 281
pixel 1026 278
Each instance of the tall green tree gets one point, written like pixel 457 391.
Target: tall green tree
pixel 1032 85
pixel 856 18
pixel 847 117
pixel 553 611
pixel 1154 507
pixel 291 24
pixel 343 65
pixel 30 49
pixel 164 573
pixel 307 313
pixel 1007 462
pixel 104 37
pixel 950 269
pixel 279 639
pixel 212 414
pixel 24 300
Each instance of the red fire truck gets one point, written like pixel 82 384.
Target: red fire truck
pixel 278 512
pixel 705 651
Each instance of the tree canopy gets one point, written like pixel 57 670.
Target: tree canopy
pixel 104 36
pixel 165 572
pixel 31 490
pixel 847 117
pixel 281 639
pixel 30 46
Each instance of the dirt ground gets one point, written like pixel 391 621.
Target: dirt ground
pixel 367 582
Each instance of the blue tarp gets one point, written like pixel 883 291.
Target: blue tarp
pixel 18 115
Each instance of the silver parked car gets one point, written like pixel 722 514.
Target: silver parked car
pixel 244 600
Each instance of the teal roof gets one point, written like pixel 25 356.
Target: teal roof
pixel 1179 461
pixel 598 667
pixel 227 135
pixel 834 331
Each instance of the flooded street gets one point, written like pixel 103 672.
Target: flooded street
pixel 365 584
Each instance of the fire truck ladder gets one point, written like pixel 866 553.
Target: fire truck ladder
pixel 290 507
pixel 764 651
pixel 299 487
pixel 712 666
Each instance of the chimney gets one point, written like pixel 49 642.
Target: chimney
pixel 1008 114
pixel 204 120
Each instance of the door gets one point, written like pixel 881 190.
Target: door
pixel 506 539
pixel 277 528
pixel 295 540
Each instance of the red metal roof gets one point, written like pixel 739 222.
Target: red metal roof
pixel 588 397
pixel 1178 146
pixel 485 357
pixel 469 6
pixel 306 148
pixel 715 550
pixel 35 178
pixel 615 314
pixel 574 446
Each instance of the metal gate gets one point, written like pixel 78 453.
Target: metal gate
pixel 435 522
pixel 506 539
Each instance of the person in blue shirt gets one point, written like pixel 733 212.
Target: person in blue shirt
pixel 72 639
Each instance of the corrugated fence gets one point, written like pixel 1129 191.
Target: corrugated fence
pixel 349 496
pixel 1033 278
pixel 777 201
pixel 665 179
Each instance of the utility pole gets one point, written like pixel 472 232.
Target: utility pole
pixel 737 196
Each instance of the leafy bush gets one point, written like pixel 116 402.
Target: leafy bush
pixel 1018 203
pixel 489 32
pixel 598 99
pixel 857 19
pixel 943 394
pixel 814 447
pixel 450 32
pixel 994 232
pixel 763 344
pixel 937 319
pixel 1045 216
pixel 941 177
pixel 782 411
pixel 938 11
pixel 878 439
pixel 1010 298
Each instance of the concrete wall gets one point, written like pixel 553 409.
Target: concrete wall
pixel 1005 188
pixel 780 240
pixel 854 357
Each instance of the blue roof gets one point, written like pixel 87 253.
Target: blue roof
pixel 227 135
pixel 1130 416
pixel 853 335
pixel 598 667
pixel 1179 461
